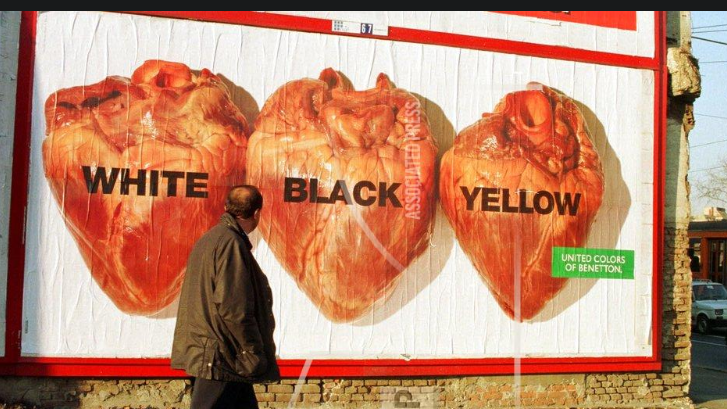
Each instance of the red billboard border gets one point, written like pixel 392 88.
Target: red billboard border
pixel 15 364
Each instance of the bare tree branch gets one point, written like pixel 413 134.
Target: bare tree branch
pixel 714 186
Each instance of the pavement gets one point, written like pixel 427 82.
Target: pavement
pixel 709 370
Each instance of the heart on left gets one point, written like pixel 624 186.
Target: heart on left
pixel 140 168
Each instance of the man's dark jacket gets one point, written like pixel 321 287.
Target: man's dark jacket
pixel 225 321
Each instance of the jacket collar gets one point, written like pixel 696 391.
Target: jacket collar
pixel 229 221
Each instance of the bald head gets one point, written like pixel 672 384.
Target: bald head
pixel 243 201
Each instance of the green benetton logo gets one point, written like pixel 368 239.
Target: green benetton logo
pixel 574 262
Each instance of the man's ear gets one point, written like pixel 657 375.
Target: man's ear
pixel 257 214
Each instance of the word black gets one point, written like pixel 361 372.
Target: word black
pixel 364 192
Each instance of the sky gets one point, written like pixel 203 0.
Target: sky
pixel 708 139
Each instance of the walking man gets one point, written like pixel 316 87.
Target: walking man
pixel 225 323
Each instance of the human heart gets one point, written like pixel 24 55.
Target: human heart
pixel 517 183
pixel 140 168
pixel 348 181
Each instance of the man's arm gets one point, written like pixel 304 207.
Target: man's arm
pixel 234 296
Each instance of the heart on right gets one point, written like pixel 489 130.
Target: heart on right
pixel 518 182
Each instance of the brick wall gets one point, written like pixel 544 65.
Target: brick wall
pixel 668 389
pixel 536 391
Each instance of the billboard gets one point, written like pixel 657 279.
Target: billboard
pixel 422 201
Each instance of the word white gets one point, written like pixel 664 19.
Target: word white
pixel 195 182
